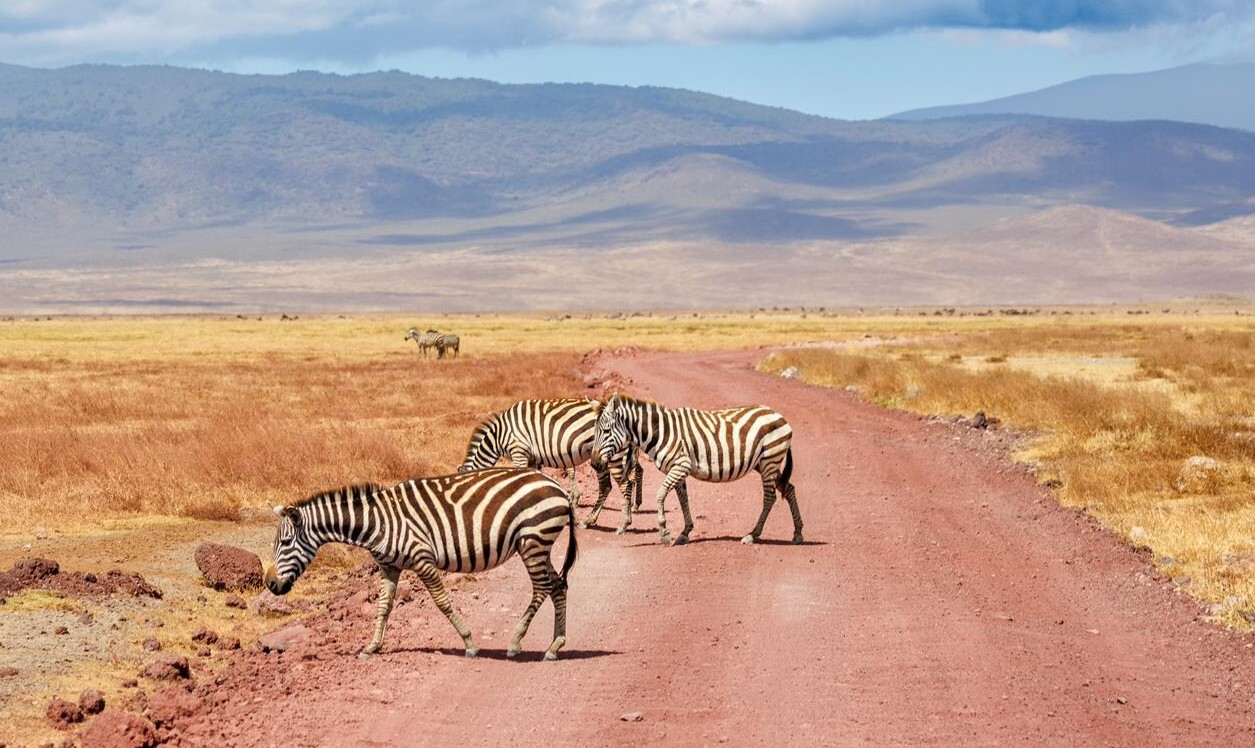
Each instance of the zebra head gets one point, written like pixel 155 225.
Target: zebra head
pixel 411 334
pixel 293 550
pixel 484 449
pixel 611 439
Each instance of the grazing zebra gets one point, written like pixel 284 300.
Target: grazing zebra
pixel 463 523
pixel 425 340
pixel 446 343
pixel 554 434
pixel 710 445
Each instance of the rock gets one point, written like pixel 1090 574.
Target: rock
pixel 118 729
pixel 152 645
pixel 86 618
pixel 285 638
pixel 1138 535
pixel 8 672
pixel 269 604
pixel 226 567
pixel 130 683
pixel 91 702
pixel 171 668
pixel 62 713
pixel 1199 474
pixel 979 421
pixel 61 631
pixel 205 636
pixel 235 601
pixel 230 642
pixel 632 717
pixel 171 704
pixel 789 372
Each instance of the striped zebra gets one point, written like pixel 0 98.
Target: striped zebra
pixel 446 343
pixel 710 445
pixel 556 433
pixel 425 340
pixel 462 523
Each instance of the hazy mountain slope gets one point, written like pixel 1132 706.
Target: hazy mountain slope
pixel 128 151
pixel 1221 95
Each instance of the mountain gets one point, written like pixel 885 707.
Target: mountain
pixel 1220 95
pixel 129 188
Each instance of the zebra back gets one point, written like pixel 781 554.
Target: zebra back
pixel 722 444
pixel 464 522
pixel 555 433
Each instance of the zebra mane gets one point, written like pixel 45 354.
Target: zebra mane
pixel 360 491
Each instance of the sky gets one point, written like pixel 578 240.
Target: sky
pixel 851 59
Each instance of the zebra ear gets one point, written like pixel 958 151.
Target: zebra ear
pixel 277 509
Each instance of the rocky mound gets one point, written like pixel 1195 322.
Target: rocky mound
pixel 46 574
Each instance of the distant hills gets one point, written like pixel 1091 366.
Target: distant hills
pixel 1220 95
pixel 158 187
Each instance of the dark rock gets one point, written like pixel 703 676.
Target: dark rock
pixel 118 729
pixel 979 421
pixel 226 567
pixel 269 604
pixel 171 668
pixel 235 601
pixel 205 636
pixel 62 713
pixel 91 702
pixel 152 645
pixel 61 631
pixel 8 672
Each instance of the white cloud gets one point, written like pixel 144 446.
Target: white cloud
pixel 63 31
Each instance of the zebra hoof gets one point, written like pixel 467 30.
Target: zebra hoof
pixel 363 655
pixel 620 531
pixel 551 656
pixel 472 651
pixel 797 539
pixel 748 539
pixel 682 540
pixel 513 652
pixel 583 525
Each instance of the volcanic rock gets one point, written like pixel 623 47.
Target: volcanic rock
pixel 226 567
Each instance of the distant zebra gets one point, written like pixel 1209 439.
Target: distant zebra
pixel 556 434
pixel 446 343
pixel 710 445
pixel 463 523
pixel 425 340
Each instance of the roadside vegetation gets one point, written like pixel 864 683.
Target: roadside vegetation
pixel 1149 425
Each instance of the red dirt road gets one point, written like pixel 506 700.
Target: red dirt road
pixel 941 599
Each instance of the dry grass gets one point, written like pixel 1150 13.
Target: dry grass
pixel 1113 439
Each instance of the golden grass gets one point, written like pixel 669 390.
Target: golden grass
pixel 1116 439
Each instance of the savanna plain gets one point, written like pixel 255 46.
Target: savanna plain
pixel 126 442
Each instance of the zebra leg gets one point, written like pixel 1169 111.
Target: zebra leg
pixel 573 495
pixel 631 488
pixel 769 498
pixel 536 558
pixel 603 490
pixel 682 493
pixel 440 596
pixel 387 593
pixel 675 476
pixel 791 496
pixel 558 595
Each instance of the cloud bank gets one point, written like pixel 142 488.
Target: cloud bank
pixel 51 32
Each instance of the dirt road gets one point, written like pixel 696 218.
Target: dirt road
pixel 941 599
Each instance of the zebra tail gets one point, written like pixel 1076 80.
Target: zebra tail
pixel 569 561
pixel 787 473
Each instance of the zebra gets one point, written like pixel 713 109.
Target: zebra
pixel 555 433
pixel 445 343
pixel 425 340
pixel 461 523
pixel 710 445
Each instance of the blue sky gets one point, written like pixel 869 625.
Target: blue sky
pixel 853 59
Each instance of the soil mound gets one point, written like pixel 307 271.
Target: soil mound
pixel 46 574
